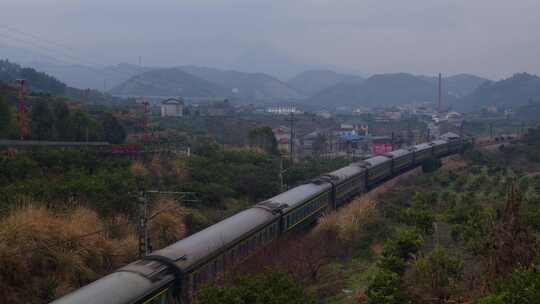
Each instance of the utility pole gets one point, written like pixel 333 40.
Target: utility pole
pixel 21 111
pixel 291 140
pixel 145 245
pixel 144 240
pixel 281 186
pixel 146 135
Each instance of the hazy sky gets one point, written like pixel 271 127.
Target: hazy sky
pixel 492 38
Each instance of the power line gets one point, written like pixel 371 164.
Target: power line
pixel 69 54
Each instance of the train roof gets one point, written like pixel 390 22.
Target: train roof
pixel 191 250
pixel 439 142
pixel 398 153
pixel 422 146
pixel 297 195
pixel 346 172
pixel 117 287
pixel 377 160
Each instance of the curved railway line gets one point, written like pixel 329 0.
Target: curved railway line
pixel 172 274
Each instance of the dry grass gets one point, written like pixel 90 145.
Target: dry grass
pixel 168 223
pixel 43 255
pixel 138 169
pixel 181 170
pixel 350 223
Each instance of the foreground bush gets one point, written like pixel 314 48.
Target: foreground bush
pixel 270 288
pixel 522 286
pixel 43 255
pixel 385 288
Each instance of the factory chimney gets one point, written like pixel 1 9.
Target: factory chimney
pixel 440 92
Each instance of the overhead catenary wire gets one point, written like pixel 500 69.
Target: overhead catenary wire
pixel 68 51
pixel 60 53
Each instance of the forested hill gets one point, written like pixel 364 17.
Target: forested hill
pixel 458 85
pixel 380 90
pixel 169 82
pixel 39 82
pixel 36 81
pixel 515 91
pixel 312 82
pixel 246 86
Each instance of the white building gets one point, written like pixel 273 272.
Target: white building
pixel 282 110
pixel 172 107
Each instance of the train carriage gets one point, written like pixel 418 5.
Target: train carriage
pixel 196 259
pixel 378 169
pixel 172 274
pixel 402 159
pixel 303 204
pixel 440 148
pixel 422 152
pixel 348 182
pixel 455 145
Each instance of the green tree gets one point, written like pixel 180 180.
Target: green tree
pixel 114 131
pixel 205 146
pixel 437 271
pixel 271 288
pixel 398 250
pixel 385 288
pixel 61 120
pixel 79 124
pixel 5 116
pixel 520 287
pixel 263 137
pixel 41 121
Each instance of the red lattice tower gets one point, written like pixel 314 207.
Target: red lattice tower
pixel 21 112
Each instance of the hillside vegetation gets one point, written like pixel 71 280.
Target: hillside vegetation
pixel 466 233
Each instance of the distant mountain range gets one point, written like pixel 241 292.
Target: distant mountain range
pixel 518 90
pixel 246 86
pixel 39 82
pixel 169 82
pixel 381 90
pixel 458 85
pixel 312 82
pixel 97 78
pixel 318 88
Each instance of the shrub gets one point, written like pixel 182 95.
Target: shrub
pixel 521 286
pixel 43 255
pixel 167 223
pixel 398 250
pixel 437 271
pixel 270 288
pixel 385 288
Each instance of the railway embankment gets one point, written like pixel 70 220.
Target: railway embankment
pixel 439 237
